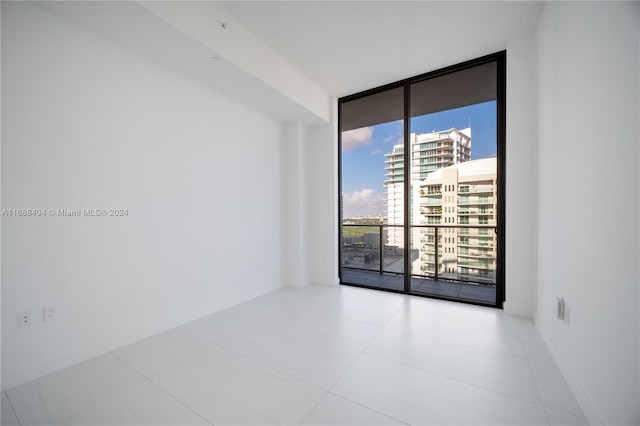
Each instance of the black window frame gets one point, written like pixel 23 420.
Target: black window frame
pixel 500 59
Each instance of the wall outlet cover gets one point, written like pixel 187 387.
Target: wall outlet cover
pixel 50 312
pixel 25 319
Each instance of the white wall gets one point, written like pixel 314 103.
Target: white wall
pixel 88 124
pixel 588 70
pixel 296 247
pixel 322 170
pixel 521 178
pixel 311 217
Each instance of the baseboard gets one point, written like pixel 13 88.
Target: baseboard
pixel 585 403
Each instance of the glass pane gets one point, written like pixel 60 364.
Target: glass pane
pixel 453 147
pixel 372 171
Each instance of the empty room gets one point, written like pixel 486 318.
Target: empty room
pixel 432 216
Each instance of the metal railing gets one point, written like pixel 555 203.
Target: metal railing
pixel 367 247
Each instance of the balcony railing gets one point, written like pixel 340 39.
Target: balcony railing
pixel 463 201
pixel 379 248
pixel 475 212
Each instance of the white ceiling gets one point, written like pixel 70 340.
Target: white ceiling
pixel 342 46
pixel 130 24
pixel 350 46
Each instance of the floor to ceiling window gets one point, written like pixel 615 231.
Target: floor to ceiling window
pixel 422 191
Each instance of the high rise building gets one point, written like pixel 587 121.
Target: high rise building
pixel 458 196
pixel 429 152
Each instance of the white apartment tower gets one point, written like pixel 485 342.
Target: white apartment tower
pixel 458 195
pixel 429 152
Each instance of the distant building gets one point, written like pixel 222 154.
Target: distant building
pixel 458 195
pixel 429 152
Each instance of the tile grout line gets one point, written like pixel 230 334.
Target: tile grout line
pixel 368 408
pixel 541 404
pixel 529 364
pixel 533 377
pixel 146 379
pixel 459 380
pixel 347 370
pixel 176 399
pixel 259 362
pixel 213 346
pixel 112 396
pixel 559 409
pixel 94 404
pixel 314 408
pixel 288 374
pixel 15 413
pixel 226 348
pixel 362 352
pixel 461 344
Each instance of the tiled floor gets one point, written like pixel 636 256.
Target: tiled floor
pixel 319 355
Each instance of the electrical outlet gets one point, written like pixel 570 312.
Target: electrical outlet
pixel 50 312
pixel 25 319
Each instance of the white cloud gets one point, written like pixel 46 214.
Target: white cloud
pixel 353 139
pixel 362 203
pixel 375 152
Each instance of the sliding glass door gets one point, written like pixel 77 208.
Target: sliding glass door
pixel 372 203
pixel 421 172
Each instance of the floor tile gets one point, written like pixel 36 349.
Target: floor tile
pixel 348 302
pixel 265 307
pixel 227 388
pixel 373 298
pixel 336 330
pixel 58 396
pixel 334 410
pixel 557 418
pixel 528 332
pixel 553 389
pixel 492 333
pixel 415 396
pixel 157 353
pixel 538 353
pixel 219 327
pixel 452 312
pixel 500 373
pixel 144 404
pixel 294 353
pixel 317 355
pixel 8 415
pixel 376 315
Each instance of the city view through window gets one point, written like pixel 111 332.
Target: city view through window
pixel 452 189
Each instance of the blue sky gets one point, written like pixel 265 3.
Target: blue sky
pixel 363 151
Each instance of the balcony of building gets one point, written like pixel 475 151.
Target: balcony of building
pixel 464 201
pixel 431 192
pixel 474 212
pixel 476 189
pixel 478 242
pixel 371 259
pixel 431 202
